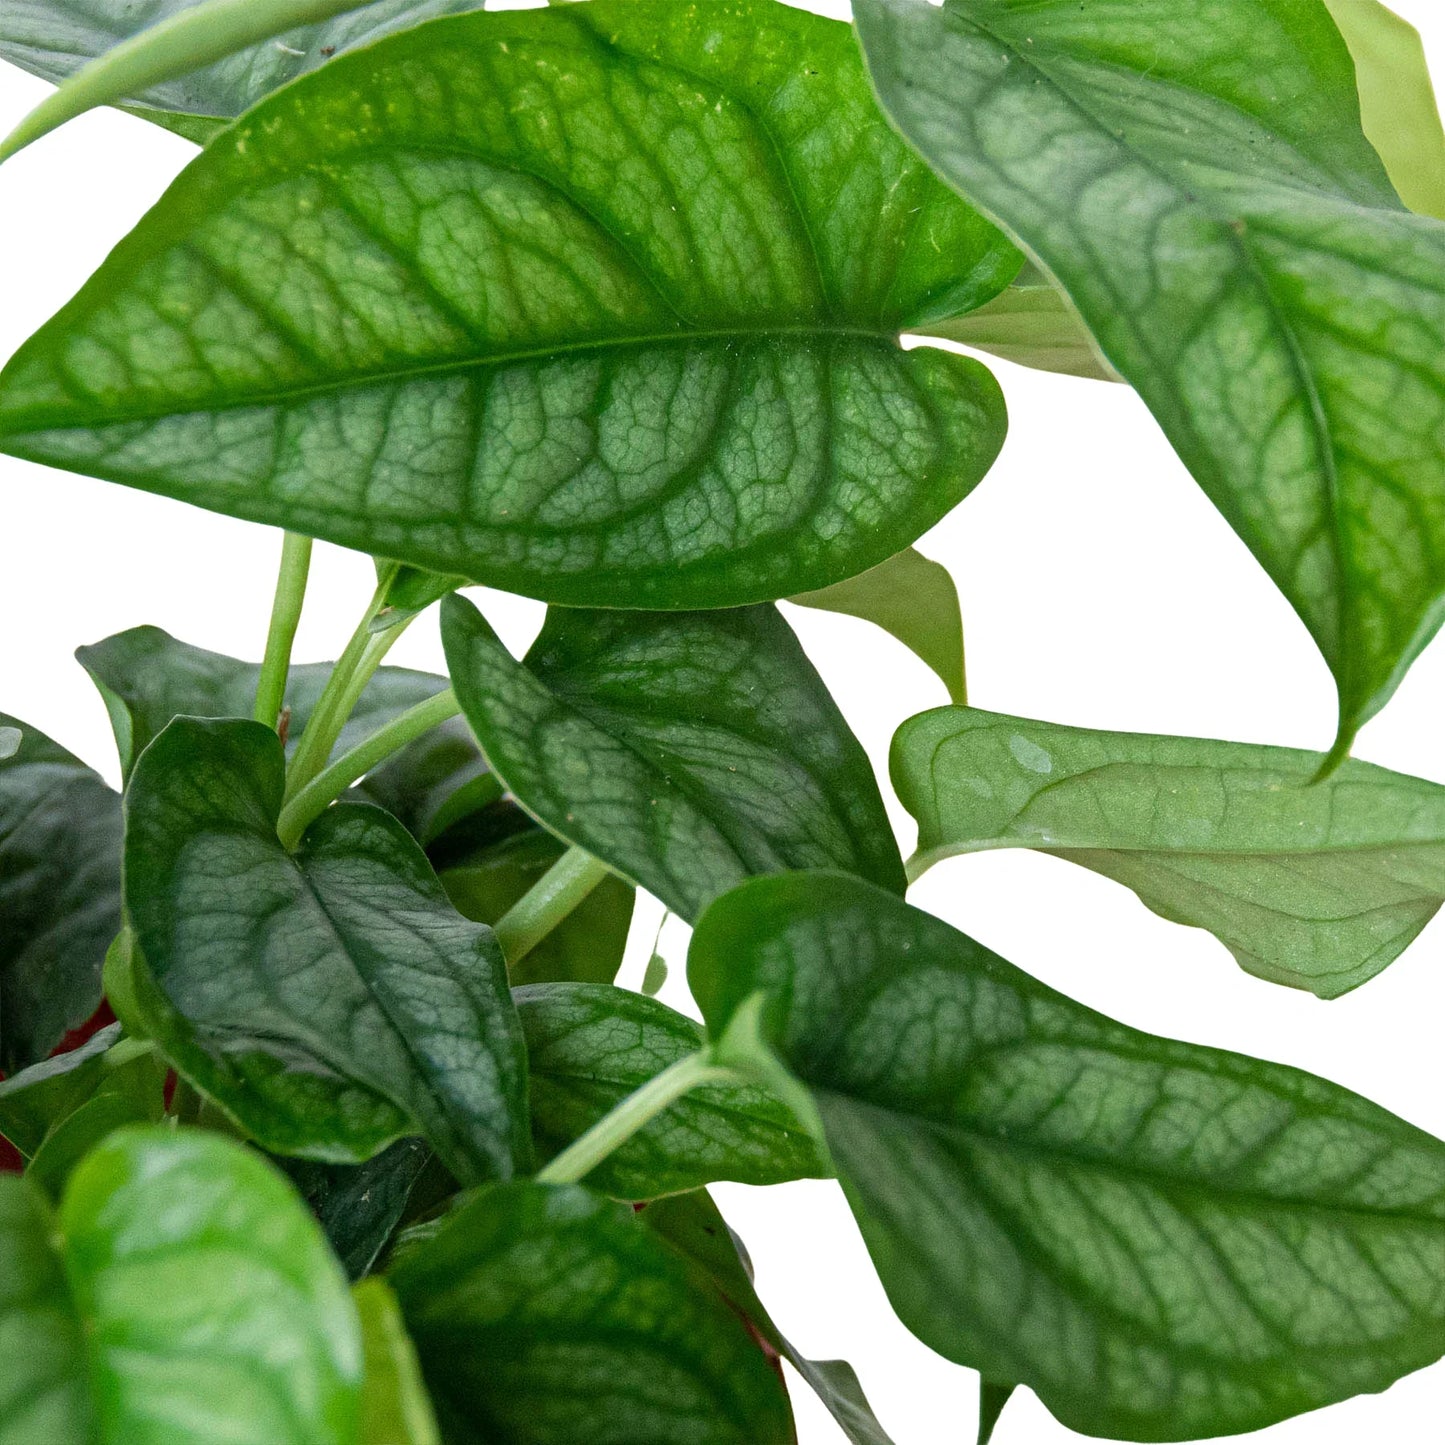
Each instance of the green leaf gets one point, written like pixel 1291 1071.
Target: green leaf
pixel 55 38
pixel 914 599
pixel 360 1205
pixel 1397 100
pixel 1031 323
pixel 642 353
pixel 334 1001
pixel 395 1408
pixel 35 1099
pixel 409 592
pixel 586 947
pixel 1164 1241
pixel 992 1398
pixel 1199 183
pixel 60 832
pixel 686 751
pixel 626 1343
pixel 137 1318
pixel 692 1224
pixel 1316 887
pixel 590 1046
pixel 10 739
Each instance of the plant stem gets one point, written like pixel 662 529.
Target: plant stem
pixel 285 614
pixel 329 784
pixel 612 1131
pixel 538 911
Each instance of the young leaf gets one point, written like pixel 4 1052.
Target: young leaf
pixel 586 947
pixel 332 1002
pixel 916 601
pixel 642 353
pixel 1238 252
pixel 622 1342
pixel 1164 1241
pixel 1397 100
pixel 692 1224
pixel 1316 887
pixel 137 1315
pixel 590 1046
pixel 686 751
pixel 60 832
pixel 395 1408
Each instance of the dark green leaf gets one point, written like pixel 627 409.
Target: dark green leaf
pixel 59 893
pixel 586 947
pixel 914 599
pixel 691 1223
pixel 1397 100
pixel 991 1400
pixel 1164 1241
pixel 1316 887
pixel 642 353
pixel 360 1205
pixel 35 1099
pixel 686 751
pixel 395 1407
pixel 9 742
pixel 1198 181
pixel 624 1343
pixel 409 592
pixel 590 1046
pixel 138 1320
pixel 331 1000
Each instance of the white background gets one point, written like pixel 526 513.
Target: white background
pixel 1099 588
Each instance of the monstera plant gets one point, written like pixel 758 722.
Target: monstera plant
pixel 330 1123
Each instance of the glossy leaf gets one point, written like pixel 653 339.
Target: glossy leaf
pixel 1199 183
pixel 685 751
pixel 590 1046
pixel 134 1318
pixel 470 348
pixel 60 832
pixel 916 601
pixel 1164 1241
pixel 1316 887
pixel 1397 100
pixel 9 742
pixel 336 1001
pixel 627 1344
pixel 395 1408
pixel 586 947
pixel 692 1224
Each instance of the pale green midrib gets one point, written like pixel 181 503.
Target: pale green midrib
pixel 1340 649
pixel 27 425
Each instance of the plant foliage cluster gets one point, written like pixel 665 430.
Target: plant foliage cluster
pixel 603 304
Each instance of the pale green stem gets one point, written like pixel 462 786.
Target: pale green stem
pixel 186 41
pixel 285 614
pixel 331 782
pixel 538 911
pixel 612 1131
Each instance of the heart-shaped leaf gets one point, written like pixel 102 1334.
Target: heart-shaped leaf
pixel 134 1318
pixel 335 1000
pixel 642 353
pixel 1236 249
pixel 687 751
pixel 915 600
pixel 60 832
pixel 1164 1241
pixel 1316 887
pixel 590 1046
pixel 622 1342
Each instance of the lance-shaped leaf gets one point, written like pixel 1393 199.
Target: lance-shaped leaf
pixel 1235 247
pixel 589 1046
pixel 915 600
pixel 641 352
pixel 395 1407
pixel 687 751
pixel 1319 887
pixel 330 1000
pixel 60 830
pixel 624 1343
pixel 1164 1241
pixel 135 1316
